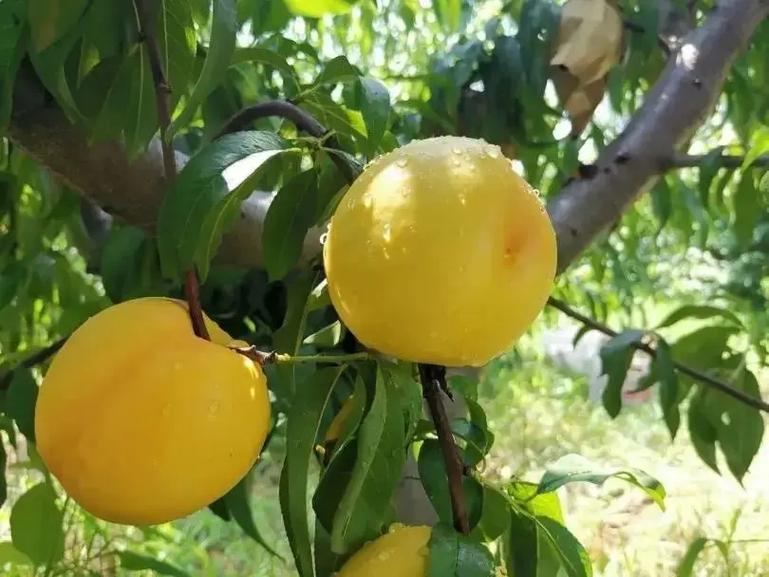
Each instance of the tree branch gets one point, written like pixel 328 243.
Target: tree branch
pixel 302 119
pixel 433 380
pixel 682 97
pixel 146 16
pixel 726 161
pixel 704 378
pixel 282 108
pixel 34 359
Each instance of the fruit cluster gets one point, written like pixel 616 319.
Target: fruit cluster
pixel 438 253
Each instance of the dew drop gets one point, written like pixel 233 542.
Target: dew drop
pixel 493 151
pixel 395 527
pixel 382 557
pixel 386 233
pixel 456 150
pixel 213 408
pixel 536 192
pixel 401 162
pixel 456 162
pixel 323 238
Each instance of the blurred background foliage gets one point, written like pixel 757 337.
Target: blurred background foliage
pixel 479 68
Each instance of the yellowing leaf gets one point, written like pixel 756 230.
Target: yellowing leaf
pixel 580 101
pixel 589 39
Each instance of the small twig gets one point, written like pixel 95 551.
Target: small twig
pixel 704 378
pixel 433 380
pixel 268 357
pixel 146 17
pixel 32 360
pixel 302 119
pixel 725 161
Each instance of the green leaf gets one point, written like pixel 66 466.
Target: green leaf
pixel 327 337
pixel 131 561
pixel 336 70
pixel 50 66
pixel 332 186
pixel 665 372
pixel 708 169
pixel 759 146
pixel 219 219
pixel 616 356
pixel 318 8
pixel 403 382
pixel 686 567
pixel 521 545
pixel 538 504
pixel 10 282
pixel 239 509
pixel 12 557
pixel 302 430
pixel 288 219
pixel 662 201
pixel 300 288
pixel 455 555
pixel 197 208
pixel 574 558
pixel 699 312
pixel 220 49
pixel 375 107
pixel 434 478
pixel 178 45
pixel 49 20
pixel 449 13
pixel 20 401
pixel 129 107
pixel 747 208
pixel 124 265
pixel 272 59
pixel 335 116
pixel 36 525
pixel 741 428
pixel 575 468
pixel 495 515
pixel 12 47
pixel 701 431
pixel 703 348
pixel 378 465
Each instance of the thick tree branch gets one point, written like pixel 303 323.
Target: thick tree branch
pixel 704 378
pixel 726 161
pixel 681 99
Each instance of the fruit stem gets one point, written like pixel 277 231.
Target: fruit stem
pixel 192 293
pixel 145 16
pixel 265 358
pixel 323 358
pixel 433 379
